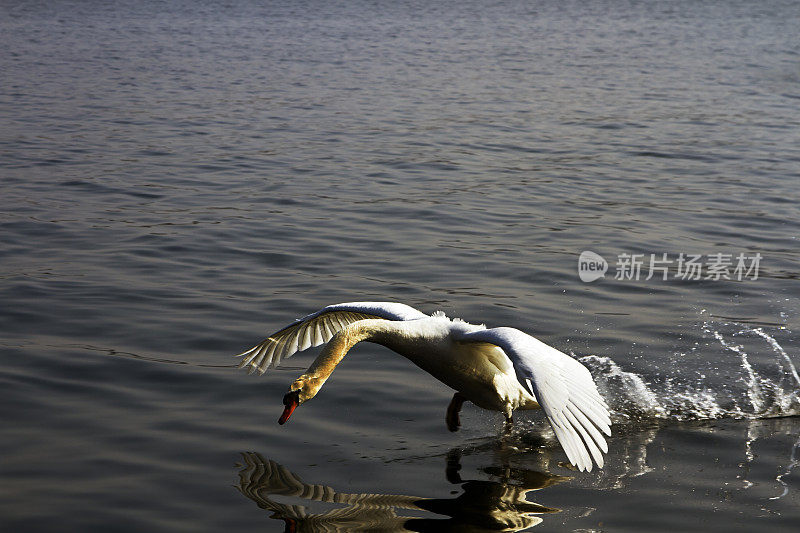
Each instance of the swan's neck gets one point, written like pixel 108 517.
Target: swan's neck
pixel 333 353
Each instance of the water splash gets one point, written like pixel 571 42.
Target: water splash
pixel 751 391
pixel 789 368
pixel 751 379
pixel 793 463
pixel 628 395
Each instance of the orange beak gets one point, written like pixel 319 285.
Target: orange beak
pixel 290 401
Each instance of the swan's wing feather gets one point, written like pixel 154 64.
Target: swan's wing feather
pixel 318 328
pixel 562 386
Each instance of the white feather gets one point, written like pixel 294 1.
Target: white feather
pixel 500 368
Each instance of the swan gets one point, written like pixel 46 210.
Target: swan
pixel 501 369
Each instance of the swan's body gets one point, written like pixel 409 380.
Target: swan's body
pixel 501 369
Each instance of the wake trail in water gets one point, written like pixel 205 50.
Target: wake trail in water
pixel 751 392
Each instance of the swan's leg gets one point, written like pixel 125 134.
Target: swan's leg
pixel 508 429
pixel 509 418
pixel 452 418
pixel 509 425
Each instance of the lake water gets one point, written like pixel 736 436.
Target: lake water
pixel 180 179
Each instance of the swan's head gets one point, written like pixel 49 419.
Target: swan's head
pixel 302 390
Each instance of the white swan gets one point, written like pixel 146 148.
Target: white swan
pixel 501 369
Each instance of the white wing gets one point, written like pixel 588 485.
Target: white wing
pixel 318 328
pixel 563 387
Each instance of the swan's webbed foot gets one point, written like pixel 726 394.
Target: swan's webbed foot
pixel 452 418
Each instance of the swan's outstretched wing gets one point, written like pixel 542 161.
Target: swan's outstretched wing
pixel 563 388
pixel 318 328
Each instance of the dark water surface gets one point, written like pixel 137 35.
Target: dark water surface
pixel 178 179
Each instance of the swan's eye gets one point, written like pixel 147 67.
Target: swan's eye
pixel 291 397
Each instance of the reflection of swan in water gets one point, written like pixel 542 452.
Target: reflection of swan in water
pixel 501 369
pixel 483 505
